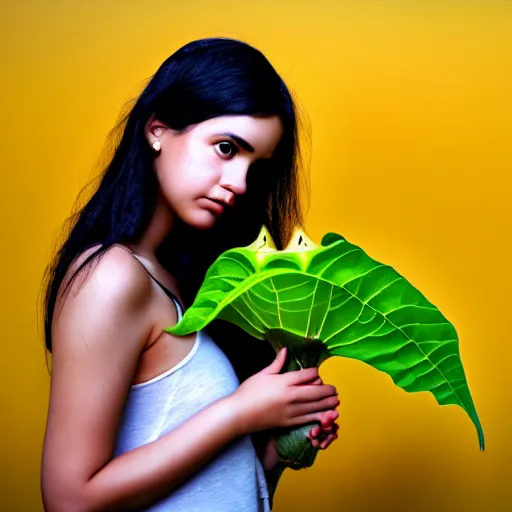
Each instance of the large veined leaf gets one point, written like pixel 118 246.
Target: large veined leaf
pixel 337 301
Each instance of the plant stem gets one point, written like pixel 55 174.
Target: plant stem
pixel 293 446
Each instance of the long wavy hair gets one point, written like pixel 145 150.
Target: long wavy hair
pixel 202 80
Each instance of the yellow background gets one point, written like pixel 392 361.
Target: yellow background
pixel 410 111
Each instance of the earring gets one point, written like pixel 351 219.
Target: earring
pixel 157 146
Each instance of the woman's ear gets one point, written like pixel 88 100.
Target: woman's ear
pixel 154 130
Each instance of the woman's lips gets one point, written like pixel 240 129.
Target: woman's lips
pixel 214 205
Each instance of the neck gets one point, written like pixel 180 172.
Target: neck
pixel 159 227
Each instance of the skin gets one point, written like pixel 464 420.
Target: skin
pixel 107 335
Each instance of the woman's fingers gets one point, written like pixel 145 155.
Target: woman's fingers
pixel 314 432
pixel 330 402
pixel 321 436
pixel 326 442
pixel 327 418
pixel 277 363
pixel 321 431
pixel 312 393
pixel 321 439
pixel 301 376
pixel 302 419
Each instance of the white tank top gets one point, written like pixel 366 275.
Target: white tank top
pixel 234 480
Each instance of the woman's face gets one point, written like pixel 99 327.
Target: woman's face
pixel 203 169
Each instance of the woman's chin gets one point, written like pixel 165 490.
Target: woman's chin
pixel 202 219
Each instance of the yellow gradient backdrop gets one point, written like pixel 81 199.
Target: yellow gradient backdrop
pixel 410 111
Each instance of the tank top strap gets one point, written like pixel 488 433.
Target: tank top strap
pixel 172 296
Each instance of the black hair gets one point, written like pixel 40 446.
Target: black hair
pixel 202 80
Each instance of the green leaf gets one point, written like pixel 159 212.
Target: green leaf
pixel 337 295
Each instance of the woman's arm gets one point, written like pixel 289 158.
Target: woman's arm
pixel 99 331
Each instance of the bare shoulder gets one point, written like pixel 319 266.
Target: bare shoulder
pixel 113 288
pixel 115 272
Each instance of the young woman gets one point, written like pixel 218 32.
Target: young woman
pixel 139 419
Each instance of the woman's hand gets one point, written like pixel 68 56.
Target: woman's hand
pixel 321 437
pixel 270 400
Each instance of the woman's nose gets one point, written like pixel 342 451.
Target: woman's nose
pixel 234 178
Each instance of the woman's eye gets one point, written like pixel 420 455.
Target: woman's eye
pixel 226 149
